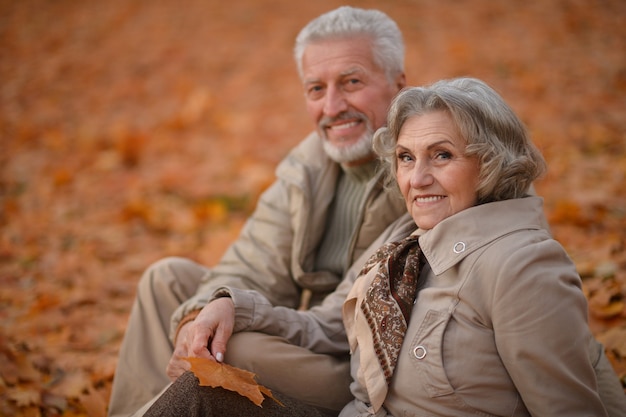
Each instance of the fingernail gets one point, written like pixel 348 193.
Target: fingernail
pixel 219 356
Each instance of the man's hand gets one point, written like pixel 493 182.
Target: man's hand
pixel 205 337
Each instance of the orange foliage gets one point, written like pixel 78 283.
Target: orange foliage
pixel 214 374
pixel 133 130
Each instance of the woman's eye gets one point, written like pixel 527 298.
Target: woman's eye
pixel 404 157
pixel 443 155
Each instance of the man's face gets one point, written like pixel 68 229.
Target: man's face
pixel 347 96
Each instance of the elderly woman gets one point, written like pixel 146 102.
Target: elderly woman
pixel 477 312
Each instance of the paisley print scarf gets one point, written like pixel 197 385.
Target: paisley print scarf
pixel 389 300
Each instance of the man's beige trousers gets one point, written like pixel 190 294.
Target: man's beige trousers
pixel 317 379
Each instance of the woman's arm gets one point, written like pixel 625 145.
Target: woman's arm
pixel 540 323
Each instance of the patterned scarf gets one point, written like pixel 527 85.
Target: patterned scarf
pixel 389 300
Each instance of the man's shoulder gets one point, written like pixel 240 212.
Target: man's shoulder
pixel 309 150
pixel 307 156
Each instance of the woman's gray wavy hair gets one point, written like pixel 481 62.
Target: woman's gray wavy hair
pixel 509 161
pixel 348 22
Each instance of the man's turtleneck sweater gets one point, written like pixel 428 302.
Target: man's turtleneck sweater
pixel 342 218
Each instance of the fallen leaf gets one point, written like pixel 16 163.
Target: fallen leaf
pixel 614 339
pixel 57 402
pixel 15 366
pixel 24 396
pixel 612 309
pixel 72 384
pixel 215 374
pixel 94 402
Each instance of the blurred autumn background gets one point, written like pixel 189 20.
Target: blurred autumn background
pixel 133 130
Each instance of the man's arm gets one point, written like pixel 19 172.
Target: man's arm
pixel 319 329
pixel 282 226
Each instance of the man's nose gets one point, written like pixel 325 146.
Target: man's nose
pixel 334 102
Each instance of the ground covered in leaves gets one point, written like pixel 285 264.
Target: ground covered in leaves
pixel 133 130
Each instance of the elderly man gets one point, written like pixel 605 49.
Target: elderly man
pixel 325 209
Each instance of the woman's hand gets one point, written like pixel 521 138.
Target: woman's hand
pixel 205 337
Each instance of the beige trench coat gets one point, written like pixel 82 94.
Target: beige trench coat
pixel 499 327
pixel 321 329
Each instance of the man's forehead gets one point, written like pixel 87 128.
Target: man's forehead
pixel 360 42
pixel 350 71
pixel 338 58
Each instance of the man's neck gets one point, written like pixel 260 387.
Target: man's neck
pixel 361 172
pixel 363 161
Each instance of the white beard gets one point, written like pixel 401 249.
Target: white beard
pixel 344 154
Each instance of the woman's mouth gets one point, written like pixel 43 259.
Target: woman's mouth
pixel 428 199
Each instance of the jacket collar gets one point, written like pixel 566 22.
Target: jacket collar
pixel 450 241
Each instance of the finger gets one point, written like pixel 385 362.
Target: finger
pixel 219 342
pixel 176 367
pixel 200 345
pixel 224 327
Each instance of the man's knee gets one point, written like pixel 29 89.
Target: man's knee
pixel 317 379
pixel 258 351
pixel 173 275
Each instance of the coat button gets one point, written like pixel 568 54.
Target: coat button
pixel 459 247
pixel 419 352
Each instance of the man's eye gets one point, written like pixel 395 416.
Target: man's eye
pixel 352 83
pixel 314 91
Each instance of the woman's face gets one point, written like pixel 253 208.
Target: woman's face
pixel 435 177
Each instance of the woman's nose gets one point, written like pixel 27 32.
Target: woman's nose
pixel 421 175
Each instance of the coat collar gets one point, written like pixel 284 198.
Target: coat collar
pixel 450 241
